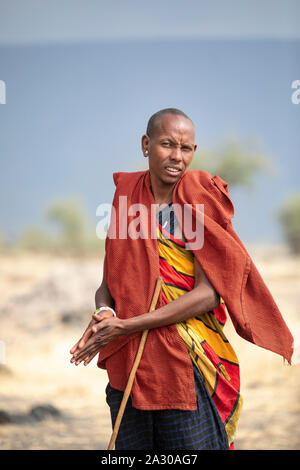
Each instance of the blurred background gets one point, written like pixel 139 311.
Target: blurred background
pixel 78 83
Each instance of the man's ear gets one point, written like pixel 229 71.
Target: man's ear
pixel 195 147
pixel 145 142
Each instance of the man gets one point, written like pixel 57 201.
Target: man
pixel 186 390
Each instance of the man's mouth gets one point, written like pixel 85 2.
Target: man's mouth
pixel 173 170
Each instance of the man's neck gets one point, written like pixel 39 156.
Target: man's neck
pixel 162 193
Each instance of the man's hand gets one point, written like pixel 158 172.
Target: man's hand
pixel 88 332
pixel 101 331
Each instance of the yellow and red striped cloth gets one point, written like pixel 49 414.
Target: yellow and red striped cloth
pixel 208 347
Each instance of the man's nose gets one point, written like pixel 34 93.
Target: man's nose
pixel 176 154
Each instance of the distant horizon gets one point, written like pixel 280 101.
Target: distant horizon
pixel 71 21
pixel 150 40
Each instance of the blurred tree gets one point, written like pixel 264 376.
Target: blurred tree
pixel 36 239
pixel 75 235
pixel 3 244
pixel 71 220
pixel 237 162
pixel 289 219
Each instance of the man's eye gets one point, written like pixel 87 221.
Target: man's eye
pixel 166 144
pixel 186 149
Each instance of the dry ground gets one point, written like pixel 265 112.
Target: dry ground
pixel 45 302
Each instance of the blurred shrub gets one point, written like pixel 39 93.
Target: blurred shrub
pixel 236 162
pixel 289 219
pixel 3 245
pixel 75 236
pixel 70 218
pixel 35 239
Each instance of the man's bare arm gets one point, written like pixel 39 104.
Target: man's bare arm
pixel 201 299
pixel 103 297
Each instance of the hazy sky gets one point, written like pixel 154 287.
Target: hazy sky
pixel 31 21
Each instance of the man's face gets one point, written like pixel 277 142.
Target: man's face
pixel 170 149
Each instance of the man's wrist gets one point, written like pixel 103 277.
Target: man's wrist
pixel 103 308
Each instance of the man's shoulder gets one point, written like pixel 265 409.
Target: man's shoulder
pixel 200 186
pixel 128 177
pixel 205 179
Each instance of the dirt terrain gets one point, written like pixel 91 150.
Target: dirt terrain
pixel 48 403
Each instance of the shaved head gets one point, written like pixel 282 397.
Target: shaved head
pixel 155 119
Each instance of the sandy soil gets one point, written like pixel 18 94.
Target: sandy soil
pixel 45 303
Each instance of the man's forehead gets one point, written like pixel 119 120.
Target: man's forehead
pixel 174 125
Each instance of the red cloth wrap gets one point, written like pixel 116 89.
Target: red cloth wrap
pixel 164 378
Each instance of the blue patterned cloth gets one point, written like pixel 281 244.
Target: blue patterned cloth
pixel 200 429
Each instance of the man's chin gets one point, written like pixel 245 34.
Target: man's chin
pixel 172 179
pixel 166 178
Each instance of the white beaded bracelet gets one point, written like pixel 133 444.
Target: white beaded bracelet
pixel 101 309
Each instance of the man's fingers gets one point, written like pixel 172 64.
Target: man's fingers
pixel 73 349
pixel 86 346
pixel 82 339
pixel 82 358
pixel 96 328
pixel 82 354
pixel 98 318
pixel 99 325
pixel 89 358
pixel 85 337
pixel 87 334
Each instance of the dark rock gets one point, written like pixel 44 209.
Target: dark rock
pixel 20 418
pixel 37 413
pixel 73 317
pixel 41 412
pixel 5 370
pixel 4 417
pixel 66 318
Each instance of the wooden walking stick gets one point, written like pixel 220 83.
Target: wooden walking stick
pixel 133 370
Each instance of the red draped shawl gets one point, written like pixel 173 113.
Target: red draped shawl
pixel 165 375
